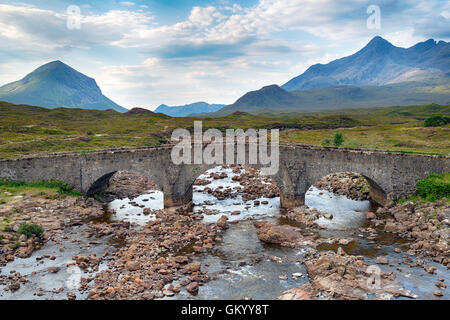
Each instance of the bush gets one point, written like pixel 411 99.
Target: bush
pixel 338 139
pixel 436 121
pixel 30 229
pixel 434 187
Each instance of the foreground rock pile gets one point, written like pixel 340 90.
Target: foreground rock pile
pixel 351 185
pixel 157 261
pixel 344 277
pixel 425 227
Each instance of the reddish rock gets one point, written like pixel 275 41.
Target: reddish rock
pixel 223 222
pixel 192 287
pixel 71 296
pixel 371 215
pixel 381 260
pixel 132 265
pixel 278 234
pixel 193 267
pixel 54 269
pixel 305 292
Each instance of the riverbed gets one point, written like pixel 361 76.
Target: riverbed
pixel 240 266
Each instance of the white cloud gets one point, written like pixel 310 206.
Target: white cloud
pixel 235 8
pixel 207 25
pixel 49 29
pixel 205 16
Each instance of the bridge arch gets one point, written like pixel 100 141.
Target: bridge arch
pixel 100 184
pixel 375 192
pixel 103 183
pixel 284 187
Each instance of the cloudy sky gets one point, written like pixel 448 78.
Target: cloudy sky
pixel 145 53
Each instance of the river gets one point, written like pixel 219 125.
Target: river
pixel 241 266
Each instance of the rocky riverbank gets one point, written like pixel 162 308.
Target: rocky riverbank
pixel 344 277
pixel 336 275
pixel 169 255
pixel 51 214
pixel 426 225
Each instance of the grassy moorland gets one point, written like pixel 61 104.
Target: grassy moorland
pixel 393 129
pixel 27 130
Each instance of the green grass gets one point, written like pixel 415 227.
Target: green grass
pixel 4 223
pixel 15 186
pixel 28 130
pixel 15 245
pixel 408 137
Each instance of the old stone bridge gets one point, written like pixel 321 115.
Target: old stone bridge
pixel 300 166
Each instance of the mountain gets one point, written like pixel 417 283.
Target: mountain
pixel 378 63
pixel 276 99
pixel 54 85
pixel 189 109
pixel 272 97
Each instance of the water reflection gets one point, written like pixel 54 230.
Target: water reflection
pixel 347 213
pixel 134 211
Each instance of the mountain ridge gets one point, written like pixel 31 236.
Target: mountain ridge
pixel 340 97
pixel 378 63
